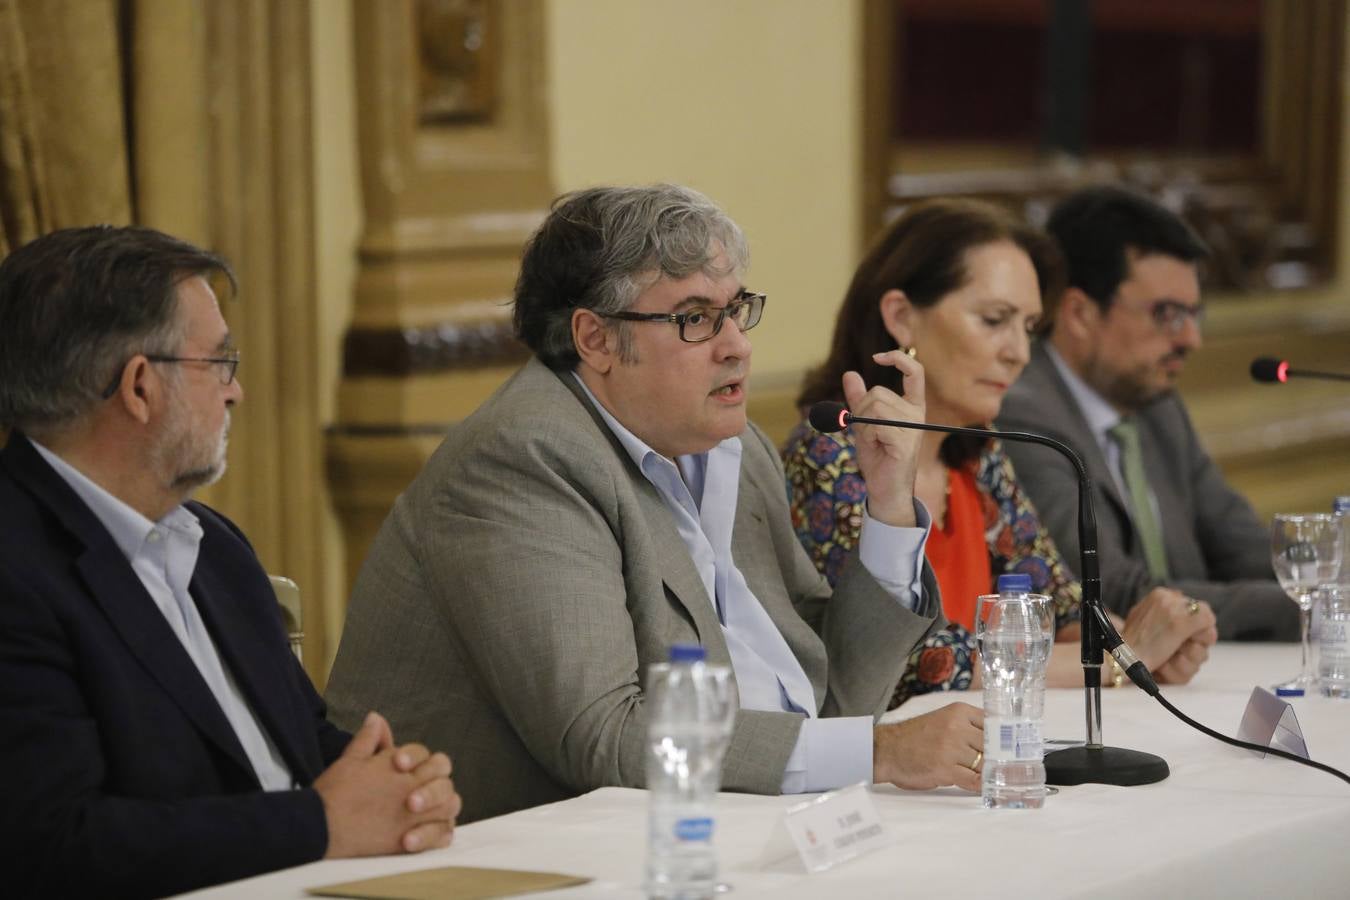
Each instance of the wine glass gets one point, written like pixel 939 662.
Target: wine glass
pixel 1306 552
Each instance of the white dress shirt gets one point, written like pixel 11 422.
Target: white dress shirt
pixel 163 555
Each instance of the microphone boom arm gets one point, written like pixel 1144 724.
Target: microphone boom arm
pixel 1097 631
pixel 1092 762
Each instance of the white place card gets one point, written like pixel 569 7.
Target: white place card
pixel 835 827
pixel 1271 722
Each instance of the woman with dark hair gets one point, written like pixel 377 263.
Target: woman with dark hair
pixel 957 285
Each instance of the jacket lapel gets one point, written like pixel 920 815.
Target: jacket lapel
pixel 256 666
pixel 755 557
pixel 128 607
pixel 678 572
pixel 1077 433
pixel 142 627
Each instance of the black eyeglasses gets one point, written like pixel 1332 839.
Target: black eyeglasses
pixel 226 367
pixel 703 323
pixel 1171 316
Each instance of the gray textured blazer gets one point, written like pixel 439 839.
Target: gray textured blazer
pixel 529 574
pixel 1217 550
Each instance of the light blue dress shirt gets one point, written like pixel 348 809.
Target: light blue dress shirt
pixel 701 491
pixel 163 555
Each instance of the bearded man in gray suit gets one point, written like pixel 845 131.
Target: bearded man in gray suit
pixel 1103 381
pixel 611 499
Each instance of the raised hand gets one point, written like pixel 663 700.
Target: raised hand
pixel 888 457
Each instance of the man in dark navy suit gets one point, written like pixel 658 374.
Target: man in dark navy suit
pixel 156 734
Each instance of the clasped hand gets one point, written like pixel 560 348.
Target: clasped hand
pixel 381 799
pixel 1171 633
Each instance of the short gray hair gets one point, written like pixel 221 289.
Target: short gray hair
pixel 76 304
pixel 599 248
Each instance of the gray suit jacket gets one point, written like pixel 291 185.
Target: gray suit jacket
pixel 1216 549
pixel 524 581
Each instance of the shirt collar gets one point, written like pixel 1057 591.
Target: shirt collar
pixel 692 466
pixel 129 529
pixel 1101 416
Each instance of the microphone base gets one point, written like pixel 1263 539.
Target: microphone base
pixel 1103 765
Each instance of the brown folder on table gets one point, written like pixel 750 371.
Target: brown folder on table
pixel 449 883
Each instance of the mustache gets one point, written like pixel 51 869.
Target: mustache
pixel 735 373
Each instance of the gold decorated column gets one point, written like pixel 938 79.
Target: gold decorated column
pixel 454 176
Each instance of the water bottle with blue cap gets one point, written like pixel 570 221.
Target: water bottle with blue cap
pixel 1014 631
pixel 691 709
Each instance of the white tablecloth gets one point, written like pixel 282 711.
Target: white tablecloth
pixel 1225 824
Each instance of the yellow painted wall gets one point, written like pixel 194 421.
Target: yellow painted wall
pixel 756 103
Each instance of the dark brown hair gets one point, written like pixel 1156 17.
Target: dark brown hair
pixel 1097 229
pixel 922 253
pixel 76 304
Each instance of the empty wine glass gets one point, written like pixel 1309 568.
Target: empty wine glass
pixel 1306 552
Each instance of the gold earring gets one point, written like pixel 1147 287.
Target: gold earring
pixel 911 351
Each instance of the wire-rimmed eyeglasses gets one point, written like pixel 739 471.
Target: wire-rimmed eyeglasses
pixel 226 367
pixel 703 323
pixel 1171 316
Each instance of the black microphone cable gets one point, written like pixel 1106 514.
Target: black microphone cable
pixel 1141 676
pixel 827 416
pixel 1246 745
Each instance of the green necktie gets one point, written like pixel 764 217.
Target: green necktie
pixel 1126 435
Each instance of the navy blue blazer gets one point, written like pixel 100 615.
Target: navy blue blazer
pixel 119 773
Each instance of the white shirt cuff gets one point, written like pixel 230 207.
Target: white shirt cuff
pixel 894 555
pixel 829 754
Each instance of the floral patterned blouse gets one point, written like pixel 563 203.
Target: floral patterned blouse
pixel 826 493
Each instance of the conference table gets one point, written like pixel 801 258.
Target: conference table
pixel 1227 822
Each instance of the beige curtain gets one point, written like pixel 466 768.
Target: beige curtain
pixel 193 117
pixel 63 148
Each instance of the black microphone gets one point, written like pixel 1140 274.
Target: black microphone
pixel 1073 765
pixel 1277 371
pixel 1093 762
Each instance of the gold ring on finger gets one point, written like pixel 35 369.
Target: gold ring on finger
pixel 975 766
pixel 1192 605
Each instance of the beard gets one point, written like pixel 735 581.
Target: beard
pixel 1129 391
pixel 191 456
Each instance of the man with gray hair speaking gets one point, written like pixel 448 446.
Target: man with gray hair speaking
pixel 611 499
pixel 156 733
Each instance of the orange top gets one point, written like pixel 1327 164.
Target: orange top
pixel 957 551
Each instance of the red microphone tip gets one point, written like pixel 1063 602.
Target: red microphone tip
pixel 1282 371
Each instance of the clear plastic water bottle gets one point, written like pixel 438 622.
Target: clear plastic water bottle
pixel 691 707
pixel 1340 507
pixel 1333 665
pixel 1014 630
